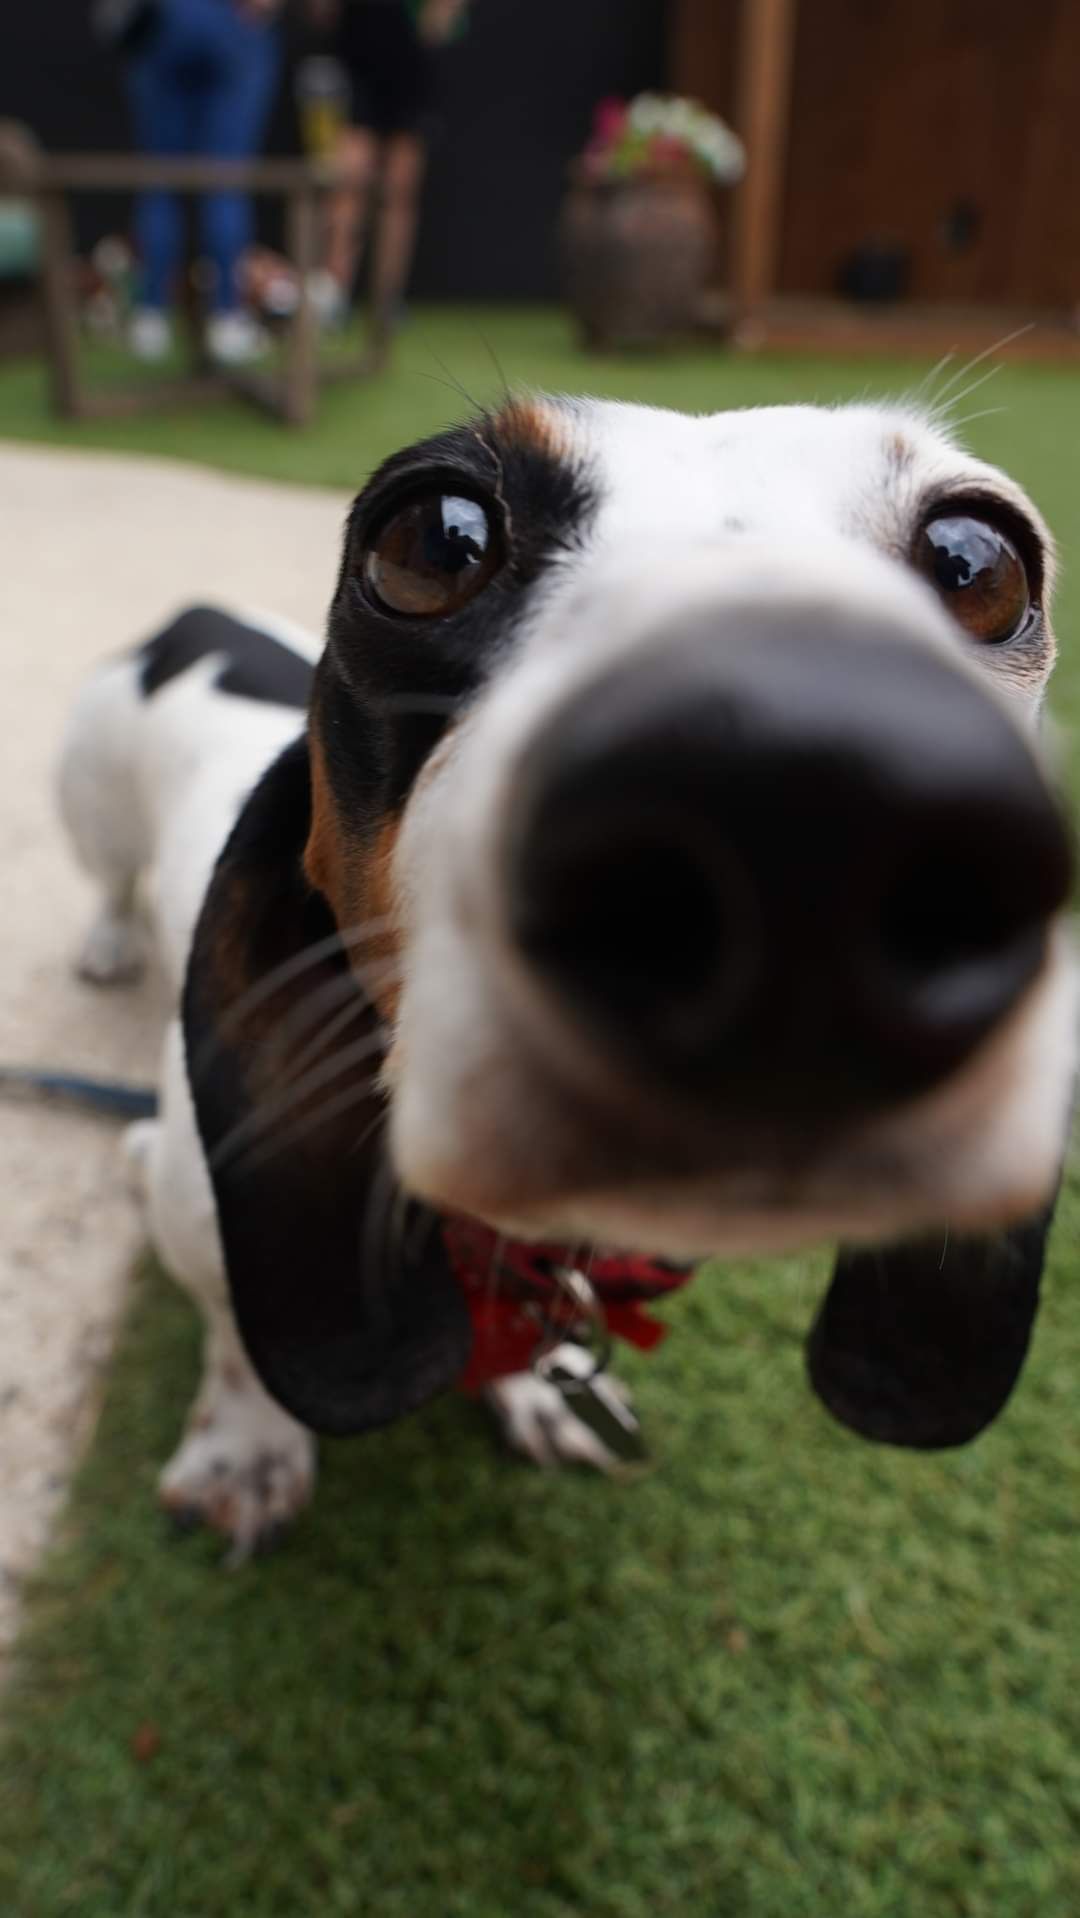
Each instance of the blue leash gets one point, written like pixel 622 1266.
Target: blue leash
pixel 110 1097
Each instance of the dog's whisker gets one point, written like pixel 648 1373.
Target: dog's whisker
pixel 300 962
pixel 369 1130
pixel 316 1047
pixel 984 413
pixel 940 409
pixel 965 392
pixel 436 379
pixel 925 386
pixel 278 977
pixel 334 1107
pixel 268 1111
pixel 299 1020
pixel 354 1008
pixel 500 371
pixel 987 353
pixel 451 380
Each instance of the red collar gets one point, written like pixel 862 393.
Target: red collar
pixel 518 1305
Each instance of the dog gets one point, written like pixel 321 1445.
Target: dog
pixel 659 858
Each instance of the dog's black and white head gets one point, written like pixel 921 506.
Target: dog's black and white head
pixel 676 790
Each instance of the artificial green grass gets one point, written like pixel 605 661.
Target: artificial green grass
pixel 783 1675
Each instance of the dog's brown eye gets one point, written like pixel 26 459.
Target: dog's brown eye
pixel 978 573
pixel 432 555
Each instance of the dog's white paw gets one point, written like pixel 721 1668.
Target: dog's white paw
pixel 114 951
pixel 538 1419
pixel 244 1467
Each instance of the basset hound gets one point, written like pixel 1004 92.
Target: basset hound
pixel 658 861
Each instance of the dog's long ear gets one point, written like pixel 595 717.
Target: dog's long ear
pixel 921 1344
pixel 347 1307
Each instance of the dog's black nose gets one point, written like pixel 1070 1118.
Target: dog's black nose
pixel 791 863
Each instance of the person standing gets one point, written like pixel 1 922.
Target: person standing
pixel 202 76
pixel 389 49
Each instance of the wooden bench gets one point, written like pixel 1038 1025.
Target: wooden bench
pixel 49 181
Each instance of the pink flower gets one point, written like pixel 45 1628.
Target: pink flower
pixel 609 120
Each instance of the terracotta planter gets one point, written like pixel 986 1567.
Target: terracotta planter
pixel 635 257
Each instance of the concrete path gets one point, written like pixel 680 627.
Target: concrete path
pixel 94 551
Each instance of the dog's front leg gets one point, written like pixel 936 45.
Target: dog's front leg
pixel 244 1466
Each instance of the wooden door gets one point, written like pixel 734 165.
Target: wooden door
pixel 947 128
pixel 702 47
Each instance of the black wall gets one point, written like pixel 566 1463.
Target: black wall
pixel 518 96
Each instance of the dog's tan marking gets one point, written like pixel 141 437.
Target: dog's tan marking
pixel 326 855
pixel 900 453
pixel 381 903
pixel 356 880
pixel 534 426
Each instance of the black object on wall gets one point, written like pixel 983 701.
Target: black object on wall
pixel 518 94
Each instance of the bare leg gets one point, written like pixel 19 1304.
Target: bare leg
pixel 403 166
pixel 348 208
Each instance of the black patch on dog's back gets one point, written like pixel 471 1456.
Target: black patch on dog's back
pixel 254 666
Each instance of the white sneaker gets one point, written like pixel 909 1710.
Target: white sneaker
pixel 234 338
pixel 149 333
pixel 281 296
pixel 329 298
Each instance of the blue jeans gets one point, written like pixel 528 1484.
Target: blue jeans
pixel 203 84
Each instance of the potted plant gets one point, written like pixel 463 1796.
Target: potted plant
pixel 638 229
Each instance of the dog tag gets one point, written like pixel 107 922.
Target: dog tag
pixel 600 1405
